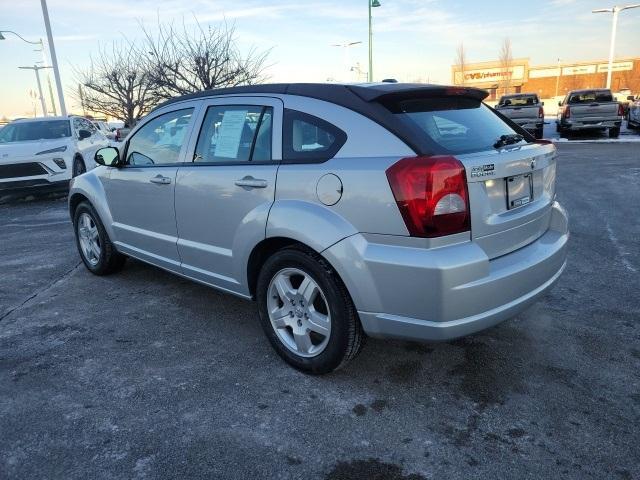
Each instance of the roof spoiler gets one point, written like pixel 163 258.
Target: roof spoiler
pixel 407 91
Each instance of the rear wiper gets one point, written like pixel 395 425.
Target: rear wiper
pixel 508 140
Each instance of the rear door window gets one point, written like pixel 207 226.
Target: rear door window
pixel 452 125
pixel 235 133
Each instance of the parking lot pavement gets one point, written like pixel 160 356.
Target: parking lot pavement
pixel 589 136
pixel 146 375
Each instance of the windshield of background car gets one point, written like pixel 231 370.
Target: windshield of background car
pixel 29 131
pixel 520 101
pixel 455 125
pixel 591 97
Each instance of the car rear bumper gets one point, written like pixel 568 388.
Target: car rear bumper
pixel 447 292
pixel 590 124
pixel 531 125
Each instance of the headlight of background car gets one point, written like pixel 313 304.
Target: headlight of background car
pixel 63 148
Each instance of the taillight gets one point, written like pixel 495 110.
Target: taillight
pixel 567 112
pixel 431 193
pixel 620 110
pixel 540 112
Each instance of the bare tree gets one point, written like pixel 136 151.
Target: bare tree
pixel 182 60
pixel 506 61
pixel 461 61
pixel 116 85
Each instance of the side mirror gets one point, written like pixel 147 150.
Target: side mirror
pixel 108 156
pixel 559 104
pixel 82 134
pixel 542 104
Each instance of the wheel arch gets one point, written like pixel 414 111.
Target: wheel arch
pixel 89 188
pixel 261 252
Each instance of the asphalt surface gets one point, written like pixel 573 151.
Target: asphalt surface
pixel 145 375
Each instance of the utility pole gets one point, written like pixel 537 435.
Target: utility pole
pixel 558 77
pixel 54 59
pixel 45 64
pixel 616 11
pixel 37 68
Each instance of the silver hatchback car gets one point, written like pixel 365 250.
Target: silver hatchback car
pixel 389 210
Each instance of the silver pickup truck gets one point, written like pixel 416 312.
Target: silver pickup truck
pixel 593 109
pixel 525 109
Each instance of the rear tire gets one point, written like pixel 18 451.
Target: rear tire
pixel 96 250
pixel 539 133
pixel 287 319
pixel 614 132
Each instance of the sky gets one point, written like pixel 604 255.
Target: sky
pixel 414 40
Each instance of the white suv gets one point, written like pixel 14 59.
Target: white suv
pixel 44 153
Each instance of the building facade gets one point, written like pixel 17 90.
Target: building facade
pixel 547 81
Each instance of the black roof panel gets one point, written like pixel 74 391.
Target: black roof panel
pixel 362 98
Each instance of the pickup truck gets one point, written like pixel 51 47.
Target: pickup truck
pixel 590 110
pixel 525 109
pixel 633 117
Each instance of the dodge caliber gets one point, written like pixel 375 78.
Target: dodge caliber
pixel 345 211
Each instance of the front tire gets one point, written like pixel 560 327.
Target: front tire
pixel 96 250
pixel 614 132
pixel 78 167
pixel 306 311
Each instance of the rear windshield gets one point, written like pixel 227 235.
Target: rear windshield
pixel 519 101
pixel 453 125
pixel 591 97
pixel 28 131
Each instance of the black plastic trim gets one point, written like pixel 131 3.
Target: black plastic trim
pixel 289 155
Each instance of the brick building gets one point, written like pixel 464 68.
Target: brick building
pixel 548 80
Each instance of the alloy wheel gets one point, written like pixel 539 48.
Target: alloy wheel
pixel 89 239
pixel 299 312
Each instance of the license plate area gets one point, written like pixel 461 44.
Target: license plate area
pixel 519 190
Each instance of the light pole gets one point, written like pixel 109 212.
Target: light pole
pixel 44 61
pixel 372 4
pixel 558 77
pixel 37 68
pixel 616 11
pixel 54 59
pixel 346 58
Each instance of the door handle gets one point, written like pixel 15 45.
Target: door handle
pixel 250 182
pixel 160 180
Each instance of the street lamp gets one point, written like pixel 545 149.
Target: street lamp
pixel 44 62
pixel 615 10
pixel 372 4
pixel 346 58
pixel 39 42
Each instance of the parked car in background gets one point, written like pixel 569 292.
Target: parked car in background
pixel 393 210
pixel 44 153
pixel 121 133
pixel 525 109
pixel 104 128
pixel 633 118
pixel 588 110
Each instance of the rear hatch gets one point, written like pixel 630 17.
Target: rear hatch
pixel 520 113
pixel 510 178
pixel 592 105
